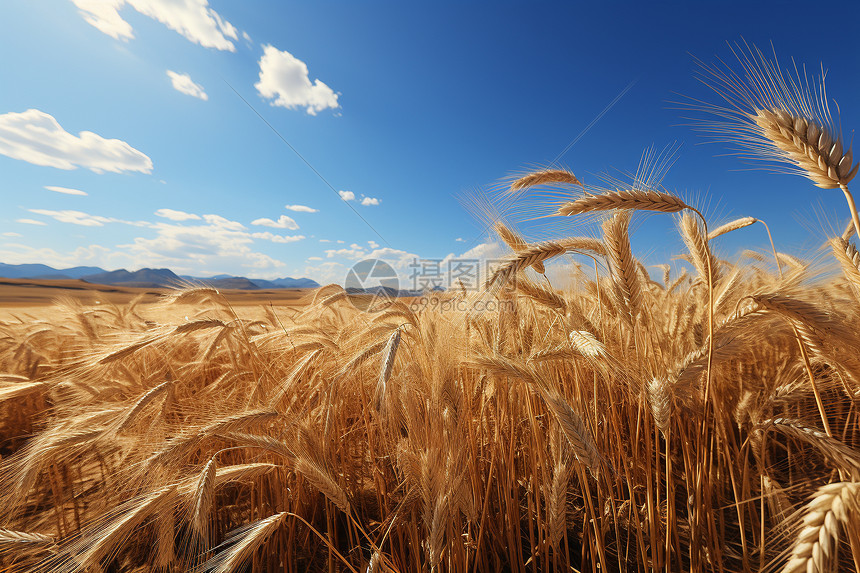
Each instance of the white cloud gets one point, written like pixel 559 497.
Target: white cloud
pixel 184 84
pixel 13 234
pixel 74 217
pixel 459 240
pixel 283 222
pixel 104 16
pixel 174 215
pixel 210 244
pixel 193 19
pixel 284 80
pixel 221 222
pixel 399 259
pixel 84 219
pixel 36 137
pixel 369 201
pixel 65 190
pixel 347 195
pixel 315 258
pixel 402 262
pixel 301 209
pixel 326 273
pixel 491 251
pixel 93 255
pixel 278 238
pixel 31 222
pixel 216 240
pixel 325 240
pixel 246 36
pixel 354 253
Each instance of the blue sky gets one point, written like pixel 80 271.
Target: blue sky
pixel 401 107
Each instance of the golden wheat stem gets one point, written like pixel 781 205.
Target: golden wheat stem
pixel 772 247
pixel 851 207
pixel 708 397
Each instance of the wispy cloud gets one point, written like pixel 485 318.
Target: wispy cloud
pixel 284 81
pixel 195 245
pixel 92 255
pixel 65 190
pixel 184 84
pixel 36 137
pixel 31 222
pixel 74 217
pixel 283 222
pixel 223 222
pixel 84 219
pixel 11 234
pixel 365 200
pixel 301 209
pixel 175 215
pixel 214 241
pixel 267 236
pixel 193 19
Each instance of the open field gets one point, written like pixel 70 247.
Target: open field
pixel 26 297
pixel 703 421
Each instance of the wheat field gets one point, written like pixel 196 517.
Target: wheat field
pixel 702 420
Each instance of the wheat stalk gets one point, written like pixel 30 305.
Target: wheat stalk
pixel 178 446
pixel 241 543
pixel 732 226
pixel 140 404
pixel 633 199
pixel 516 243
pixel 849 260
pixel 201 507
pixel 17 390
pixel 586 344
pixel 809 146
pixel 388 357
pixel 10 539
pixel 845 457
pixel 539 252
pixel 659 393
pixel 833 504
pixel 625 279
pixel 545 177
pixel 700 252
pixel 541 294
pixel 557 503
pixel 576 432
pixel 779 119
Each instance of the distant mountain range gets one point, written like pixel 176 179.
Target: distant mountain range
pixel 147 278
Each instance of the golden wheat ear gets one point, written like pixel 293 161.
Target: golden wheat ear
pixel 780 118
pixel 808 145
pixel 241 543
pixel 545 177
pixel 632 199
